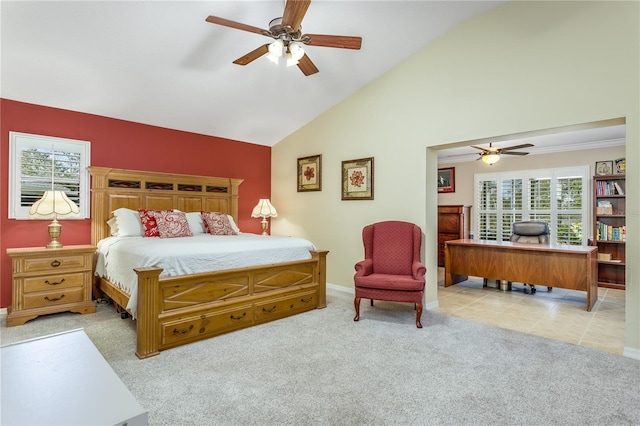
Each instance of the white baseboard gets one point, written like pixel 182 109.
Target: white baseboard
pixel 3 311
pixel 341 288
pixel 631 353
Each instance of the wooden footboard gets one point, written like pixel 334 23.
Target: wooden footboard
pixel 179 310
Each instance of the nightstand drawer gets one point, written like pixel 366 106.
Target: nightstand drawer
pixel 53 263
pixel 48 281
pixel 53 282
pixel 53 298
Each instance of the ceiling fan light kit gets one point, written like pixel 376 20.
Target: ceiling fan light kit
pixel 289 40
pixel 491 155
pixel 490 159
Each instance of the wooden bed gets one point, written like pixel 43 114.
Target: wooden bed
pixel 179 310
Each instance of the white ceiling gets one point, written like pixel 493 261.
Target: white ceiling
pixel 160 63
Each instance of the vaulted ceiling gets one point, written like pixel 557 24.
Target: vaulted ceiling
pixel 161 63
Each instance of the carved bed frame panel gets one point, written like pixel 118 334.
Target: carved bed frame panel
pixel 180 310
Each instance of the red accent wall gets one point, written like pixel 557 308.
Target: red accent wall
pixel 125 145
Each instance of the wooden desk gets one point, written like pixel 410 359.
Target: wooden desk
pixel 562 266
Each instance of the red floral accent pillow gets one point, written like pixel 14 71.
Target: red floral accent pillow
pixel 171 224
pixel 217 223
pixel 149 223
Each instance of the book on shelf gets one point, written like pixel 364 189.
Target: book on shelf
pixel 604 188
pixel 618 188
pixel 606 232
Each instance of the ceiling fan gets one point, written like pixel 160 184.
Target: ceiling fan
pixel 491 155
pixel 289 40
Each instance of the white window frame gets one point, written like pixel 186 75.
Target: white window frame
pixel 554 174
pixel 19 141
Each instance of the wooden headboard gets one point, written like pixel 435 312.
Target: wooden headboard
pixel 112 189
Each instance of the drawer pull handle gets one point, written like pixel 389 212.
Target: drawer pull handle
pixel 54 282
pixel 269 310
pixel 185 331
pixel 55 263
pixel 55 299
pixel 244 314
pixel 306 300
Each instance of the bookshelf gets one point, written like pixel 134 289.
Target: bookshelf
pixel 609 229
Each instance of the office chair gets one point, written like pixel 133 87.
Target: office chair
pixel 530 231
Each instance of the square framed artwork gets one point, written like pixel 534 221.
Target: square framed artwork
pixel 447 179
pixel 604 168
pixel 310 173
pixel 357 179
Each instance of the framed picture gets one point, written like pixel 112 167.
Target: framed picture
pixel 310 173
pixel 447 179
pixel 604 168
pixel 620 166
pixel 357 179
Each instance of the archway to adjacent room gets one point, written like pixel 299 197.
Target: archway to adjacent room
pixel 569 135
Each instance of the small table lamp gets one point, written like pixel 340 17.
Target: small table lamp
pixel 51 205
pixel 264 209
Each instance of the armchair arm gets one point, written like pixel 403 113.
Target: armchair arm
pixel 364 267
pixel 418 270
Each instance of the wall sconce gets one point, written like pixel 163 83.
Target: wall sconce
pixel 51 205
pixel 264 209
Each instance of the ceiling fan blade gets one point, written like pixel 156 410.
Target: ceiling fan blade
pixel 252 56
pixel 306 66
pixel 477 147
pixel 294 11
pixel 509 148
pixel 514 153
pixel 236 25
pixel 343 42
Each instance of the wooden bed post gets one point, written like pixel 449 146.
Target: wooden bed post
pixel 321 257
pixel 148 310
pixel 99 216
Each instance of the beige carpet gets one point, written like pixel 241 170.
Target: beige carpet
pixel 322 368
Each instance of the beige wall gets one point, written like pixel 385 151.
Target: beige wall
pixel 522 67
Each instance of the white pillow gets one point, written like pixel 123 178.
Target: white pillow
pixel 196 226
pixel 129 224
pixel 233 224
pixel 113 227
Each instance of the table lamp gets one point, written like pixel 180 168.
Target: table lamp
pixel 51 205
pixel 264 209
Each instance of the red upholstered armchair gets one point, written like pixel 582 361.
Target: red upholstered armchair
pixel 391 269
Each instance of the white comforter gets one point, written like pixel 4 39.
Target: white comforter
pixel 117 256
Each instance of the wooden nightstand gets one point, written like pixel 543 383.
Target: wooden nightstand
pixel 47 281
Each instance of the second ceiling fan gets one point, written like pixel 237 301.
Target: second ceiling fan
pixel 289 40
pixel 491 155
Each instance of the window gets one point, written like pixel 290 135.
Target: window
pixel 554 196
pixel 38 163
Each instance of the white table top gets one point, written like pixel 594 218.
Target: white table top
pixel 63 379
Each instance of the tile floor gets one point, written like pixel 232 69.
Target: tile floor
pixel 560 314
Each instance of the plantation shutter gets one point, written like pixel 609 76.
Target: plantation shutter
pixel 41 163
pixel 553 196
